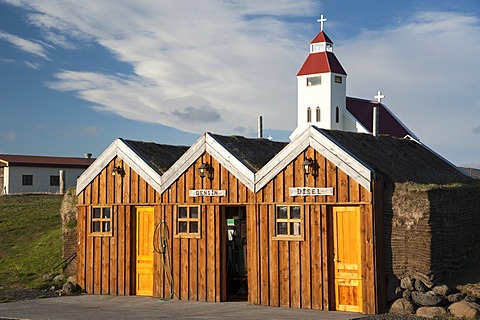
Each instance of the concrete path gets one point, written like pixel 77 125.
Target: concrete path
pixel 134 307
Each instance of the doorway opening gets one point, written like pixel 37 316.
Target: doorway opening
pixel 236 253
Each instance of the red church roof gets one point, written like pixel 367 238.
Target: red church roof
pixel 321 37
pixel 362 110
pixel 321 62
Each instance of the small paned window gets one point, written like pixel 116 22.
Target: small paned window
pixel 27 180
pixel 309 114
pixel 288 222
pixel 338 79
pixel 314 81
pixel 54 181
pixel 101 221
pixel 187 222
pixel 318 114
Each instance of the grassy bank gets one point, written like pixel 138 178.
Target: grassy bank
pixel 30 239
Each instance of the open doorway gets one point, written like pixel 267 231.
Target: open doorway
pixel 236 253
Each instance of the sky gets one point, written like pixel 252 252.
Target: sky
pixel 75 75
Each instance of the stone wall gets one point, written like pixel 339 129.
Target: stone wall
pixel 68 213
pixel 430 230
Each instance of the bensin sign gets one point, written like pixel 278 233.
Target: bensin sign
pixel 305 191
pixel 207 193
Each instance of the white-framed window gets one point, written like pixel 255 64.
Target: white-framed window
pixel 187 221
pixel 288 222
pixel 338 79
pixel 314 81
pixel 54 181
pixel 309 114
pixel 317 113
pixel 101 221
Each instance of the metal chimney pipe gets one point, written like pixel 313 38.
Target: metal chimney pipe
pixel 260 127
pixel 87 155
pixel 376 115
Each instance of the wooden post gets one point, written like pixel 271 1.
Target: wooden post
pixel 62 181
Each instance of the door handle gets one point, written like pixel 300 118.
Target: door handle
pixel 335 260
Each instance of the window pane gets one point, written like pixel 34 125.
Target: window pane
pixel 295 228
pixel 193 227
pixel 106 226
pixel 294 212
pixel 313 81
pixel 182 212
pixel 27 180
pixel 54 181
pixel 96 213
pixel 182 227
pixel 96 226
pixel 194 212
pixel 282 212
pixel 106 213
pixel 282 228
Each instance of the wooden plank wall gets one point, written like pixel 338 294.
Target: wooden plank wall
pixel 297 273
pixel 105 263
pixel 280 273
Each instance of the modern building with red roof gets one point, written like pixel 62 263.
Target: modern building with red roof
pixel 40 174
pixel 322 99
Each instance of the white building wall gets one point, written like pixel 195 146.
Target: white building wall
pixel 41 179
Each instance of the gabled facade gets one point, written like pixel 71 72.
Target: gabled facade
pixel 255 211
pixel 39 174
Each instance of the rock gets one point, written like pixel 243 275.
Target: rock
pixel 442 290
pixel 428 299
pixel 72 279
pixel 407 283
pixel 393 289
pixel 455 297
pixel 465 309
pixel 59 278
pixel 69 288
pixel 407 294
pixel 431 312
pixel 420 286
pixel 402 307
pixel 470 298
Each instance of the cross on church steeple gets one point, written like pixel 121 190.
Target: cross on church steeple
pixel 321 20
pixel 379 97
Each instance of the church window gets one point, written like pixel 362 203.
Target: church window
pixel 338 79
pixel 337 115
pixel 309 114
pixel 318 114
pixel 314 81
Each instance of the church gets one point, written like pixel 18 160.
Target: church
pixel 312 223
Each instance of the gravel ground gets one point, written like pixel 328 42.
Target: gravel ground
pixel 17 294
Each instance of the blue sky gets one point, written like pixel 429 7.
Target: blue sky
pixel 75 75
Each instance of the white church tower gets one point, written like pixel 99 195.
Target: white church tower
pixel 321 88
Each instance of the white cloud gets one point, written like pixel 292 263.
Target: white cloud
pixel 217 65
pixel 428 69
pixel 24 45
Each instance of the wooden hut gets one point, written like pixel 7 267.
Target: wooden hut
pixel 296 225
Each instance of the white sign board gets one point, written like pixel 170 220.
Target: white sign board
pixel 207 193
pixel 306 191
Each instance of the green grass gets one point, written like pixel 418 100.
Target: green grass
pixel 30 239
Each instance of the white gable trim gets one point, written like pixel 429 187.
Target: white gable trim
pixel 183 163
pixel 228 160
pixel 121 149
pixel 139 165
pixel 342 158
pixel 322 143
pixel 208 143
pixel 281 160
pixel 97 166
